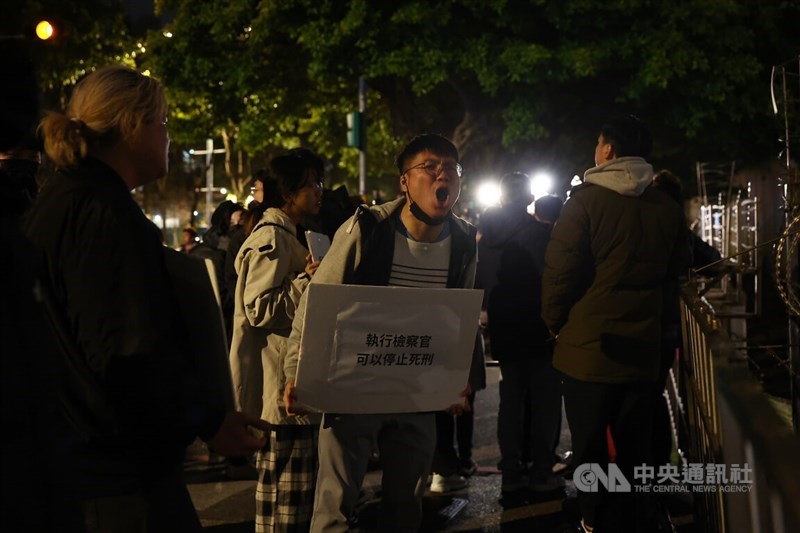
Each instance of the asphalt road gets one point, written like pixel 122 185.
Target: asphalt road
pixel 228 505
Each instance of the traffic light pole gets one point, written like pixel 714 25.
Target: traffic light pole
pixel 362 154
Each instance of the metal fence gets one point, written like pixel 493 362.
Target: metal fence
pixel 724 418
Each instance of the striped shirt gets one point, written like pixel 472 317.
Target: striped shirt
pixel 420 264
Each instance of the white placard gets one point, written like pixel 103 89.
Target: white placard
pixel 372 349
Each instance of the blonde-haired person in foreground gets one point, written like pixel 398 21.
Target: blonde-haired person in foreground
pixel 130 391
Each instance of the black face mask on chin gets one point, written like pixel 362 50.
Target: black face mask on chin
pixel 422 216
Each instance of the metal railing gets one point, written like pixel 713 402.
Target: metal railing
pixel 726 419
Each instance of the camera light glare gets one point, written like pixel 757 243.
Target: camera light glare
pixel 488 193
pixel 541 184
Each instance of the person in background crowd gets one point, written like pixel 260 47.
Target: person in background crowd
pixel 240 231
pixel 273 271
pixel 190 240
pixel 416 238
pixel 337 207
pixel 216 241
pixel 130 389
pixel 217 235
pixel 698 254
pixel 520 340
pixel 236 216
pixel 611 258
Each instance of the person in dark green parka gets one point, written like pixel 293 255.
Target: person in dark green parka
pixel 611 256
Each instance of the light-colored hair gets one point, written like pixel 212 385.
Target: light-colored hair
pixel 110 104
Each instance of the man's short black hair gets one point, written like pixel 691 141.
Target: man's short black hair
pixel 432 142
pixel 668 182
pixel 628 136
pixel 515 188
pixel 548 208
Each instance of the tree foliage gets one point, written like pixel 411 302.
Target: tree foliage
pixel 517 84
pixel 88 34
pixel 513 82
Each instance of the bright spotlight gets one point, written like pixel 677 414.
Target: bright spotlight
pixel 541 184
pixel 488 193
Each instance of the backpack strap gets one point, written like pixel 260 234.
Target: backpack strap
pixel 262 224
pixel 377 247
pixel 268 247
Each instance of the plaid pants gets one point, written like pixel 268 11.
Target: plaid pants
pixel 287 474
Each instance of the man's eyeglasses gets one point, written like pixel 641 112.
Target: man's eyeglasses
pixel 434 168
pixel 254 190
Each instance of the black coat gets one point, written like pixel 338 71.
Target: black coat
pixel 510 266
pixel 130 390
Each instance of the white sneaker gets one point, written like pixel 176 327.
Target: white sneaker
pixel 442 484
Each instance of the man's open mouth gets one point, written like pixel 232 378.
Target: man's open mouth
pixel 442 194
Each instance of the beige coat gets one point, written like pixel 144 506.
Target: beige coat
pixel 271 279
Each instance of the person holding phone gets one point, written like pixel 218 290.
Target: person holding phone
pixel 274 269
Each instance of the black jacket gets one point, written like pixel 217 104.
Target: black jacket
pixel 130 391
pixel 510 262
